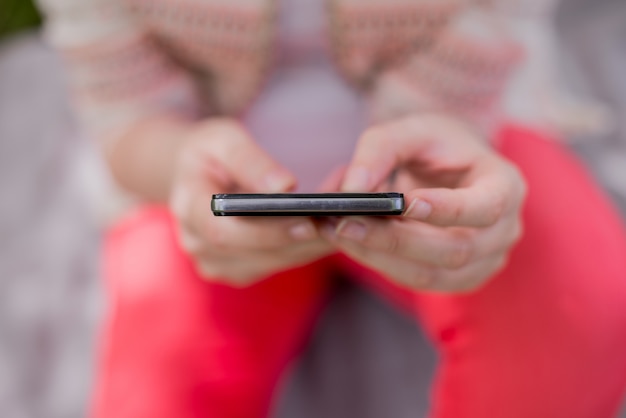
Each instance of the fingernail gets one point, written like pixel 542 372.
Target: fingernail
pixel 352 230
pixel 277 181
pixel 303 232
pixel 419 209
pixel 357 180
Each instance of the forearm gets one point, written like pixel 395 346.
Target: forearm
pixel 143 157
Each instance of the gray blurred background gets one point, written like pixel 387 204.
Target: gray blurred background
pixel 365 360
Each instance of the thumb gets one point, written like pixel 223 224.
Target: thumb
pixel 427 140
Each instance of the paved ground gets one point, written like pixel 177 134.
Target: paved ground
pixel 49 299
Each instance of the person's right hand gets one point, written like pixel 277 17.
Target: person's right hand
pixel 220 157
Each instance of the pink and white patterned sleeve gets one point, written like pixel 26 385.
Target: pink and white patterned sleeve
pixel 117 73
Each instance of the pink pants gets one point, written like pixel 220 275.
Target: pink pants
pixel 546 338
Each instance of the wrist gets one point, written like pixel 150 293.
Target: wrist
pixel 144 158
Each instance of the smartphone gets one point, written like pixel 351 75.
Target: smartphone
pixel 309 204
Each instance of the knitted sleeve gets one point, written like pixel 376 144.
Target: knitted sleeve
pixel 117 72
pixel 452 56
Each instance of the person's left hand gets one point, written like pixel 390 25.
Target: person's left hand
pixel 463 205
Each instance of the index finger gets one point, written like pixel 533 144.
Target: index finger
pixel 232 149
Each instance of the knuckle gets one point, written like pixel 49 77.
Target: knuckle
pixel 418 278
pixel 222 140
pixel 188 241
pixel 517 232
pixel 218 239
pixel 459 254
pixel 500 263
pixel 422 122
pixel 497 263
pixel 523 192
pixel 519 187
pixel 372 135
pixel 188 155
pixel 424 279
pixel 216 273
pixel 242 276
pixel 493 215
pixel 179 203
pixel 518 178
pixel 456 214
pixel 209 271
pixel 471 284
pixel 242 281
pixel 215 128
pixel 465 284
pixel 522 187
pixel 392 244
pixel 478 279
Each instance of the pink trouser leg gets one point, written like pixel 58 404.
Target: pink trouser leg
pixel 175 346
pixel 546 338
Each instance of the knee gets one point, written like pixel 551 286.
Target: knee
pixel 143 266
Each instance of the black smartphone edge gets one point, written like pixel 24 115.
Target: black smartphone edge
pixel 307 204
